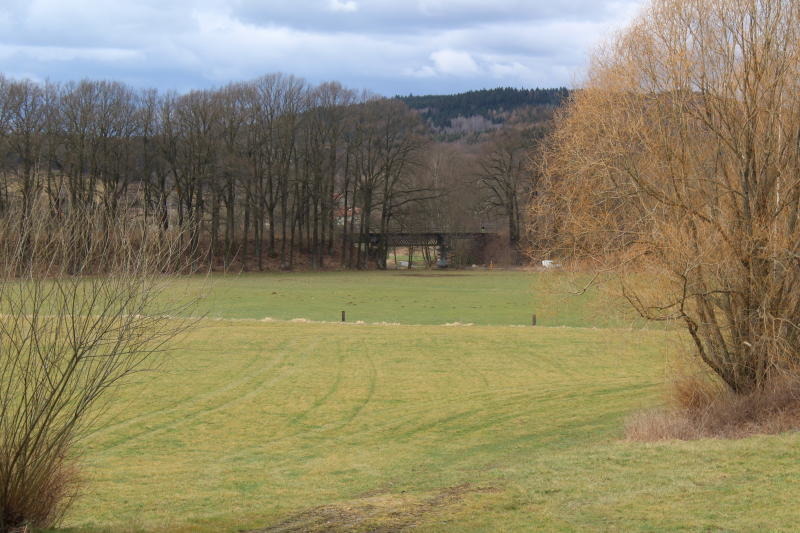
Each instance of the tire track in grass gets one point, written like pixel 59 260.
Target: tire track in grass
pixel 362 404
pixel 300 428
pixel 498 410
pixel 319 402
pixel 398 415
pixel 188 400
pixel 321 433
pixel 182 367
pixel 372 379
pixel 239 383
pixel 255 385
pixel 470 371
pixel 410 419
pixel 392 414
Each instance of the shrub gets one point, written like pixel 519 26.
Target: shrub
pixel 702 407
pixel 80 310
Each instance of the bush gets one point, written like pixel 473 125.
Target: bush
pixel 80 310
pixel 53 486
pixel 702 407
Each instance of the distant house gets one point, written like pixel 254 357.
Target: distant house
pixel 352 212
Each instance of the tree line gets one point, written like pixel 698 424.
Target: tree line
pixel 495 105
pixel 253 171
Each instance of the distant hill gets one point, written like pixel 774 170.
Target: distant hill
pixel 477 111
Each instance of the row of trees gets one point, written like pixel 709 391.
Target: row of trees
pixel 259 170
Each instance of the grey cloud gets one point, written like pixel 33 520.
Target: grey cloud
pixel 387 46
pixel 392 16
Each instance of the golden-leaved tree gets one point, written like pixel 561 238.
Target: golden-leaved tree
pixel 677 166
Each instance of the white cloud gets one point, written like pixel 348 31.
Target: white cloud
pixel 345 6
pixel 510 70
pixel 454 62
pixel 424 72
pixel 54 53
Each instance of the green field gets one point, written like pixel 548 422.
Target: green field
pixel 282 426
pixel 416 297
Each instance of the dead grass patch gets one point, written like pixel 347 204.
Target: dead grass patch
pixel 699 408
pixel 378 513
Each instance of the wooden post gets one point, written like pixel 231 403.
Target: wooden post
pixel 533 319
pixel 343 316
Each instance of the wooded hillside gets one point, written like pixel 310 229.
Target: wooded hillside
pixel 481 110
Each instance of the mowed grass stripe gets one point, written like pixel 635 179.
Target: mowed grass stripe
pixel 196 397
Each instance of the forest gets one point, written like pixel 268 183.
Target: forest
pixel 494 105
pixel 274 172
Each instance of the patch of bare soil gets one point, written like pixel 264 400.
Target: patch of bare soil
pixel 437 274
pixel 381 513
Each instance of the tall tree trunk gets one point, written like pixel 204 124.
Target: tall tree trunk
pixel 246 233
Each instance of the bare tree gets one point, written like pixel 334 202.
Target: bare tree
pixel 503 175
pixel 154 170
pixel 81 309
pixel 678 162
pixel 388 148
pixel 190 129
pixel 324 134
pixel 258 170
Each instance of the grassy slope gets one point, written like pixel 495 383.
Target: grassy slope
pixel 446 428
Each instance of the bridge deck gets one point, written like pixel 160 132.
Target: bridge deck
pixel 433 238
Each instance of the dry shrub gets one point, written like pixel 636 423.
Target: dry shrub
pixel 702 407
pixel 46 499
pixel 81 310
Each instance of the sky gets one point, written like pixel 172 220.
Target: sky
pixel 386 46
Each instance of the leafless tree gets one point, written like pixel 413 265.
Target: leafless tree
pixel 503 175
pixel 388 148
pixel 81 309
pixel 258 171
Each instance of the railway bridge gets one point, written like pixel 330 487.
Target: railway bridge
pixel 379 243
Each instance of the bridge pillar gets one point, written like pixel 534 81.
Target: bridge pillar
pixel 441 246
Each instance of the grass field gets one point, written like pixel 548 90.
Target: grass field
pixel 282 426
pixel 415 297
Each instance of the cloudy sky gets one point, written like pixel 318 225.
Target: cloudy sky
pixel 387 46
